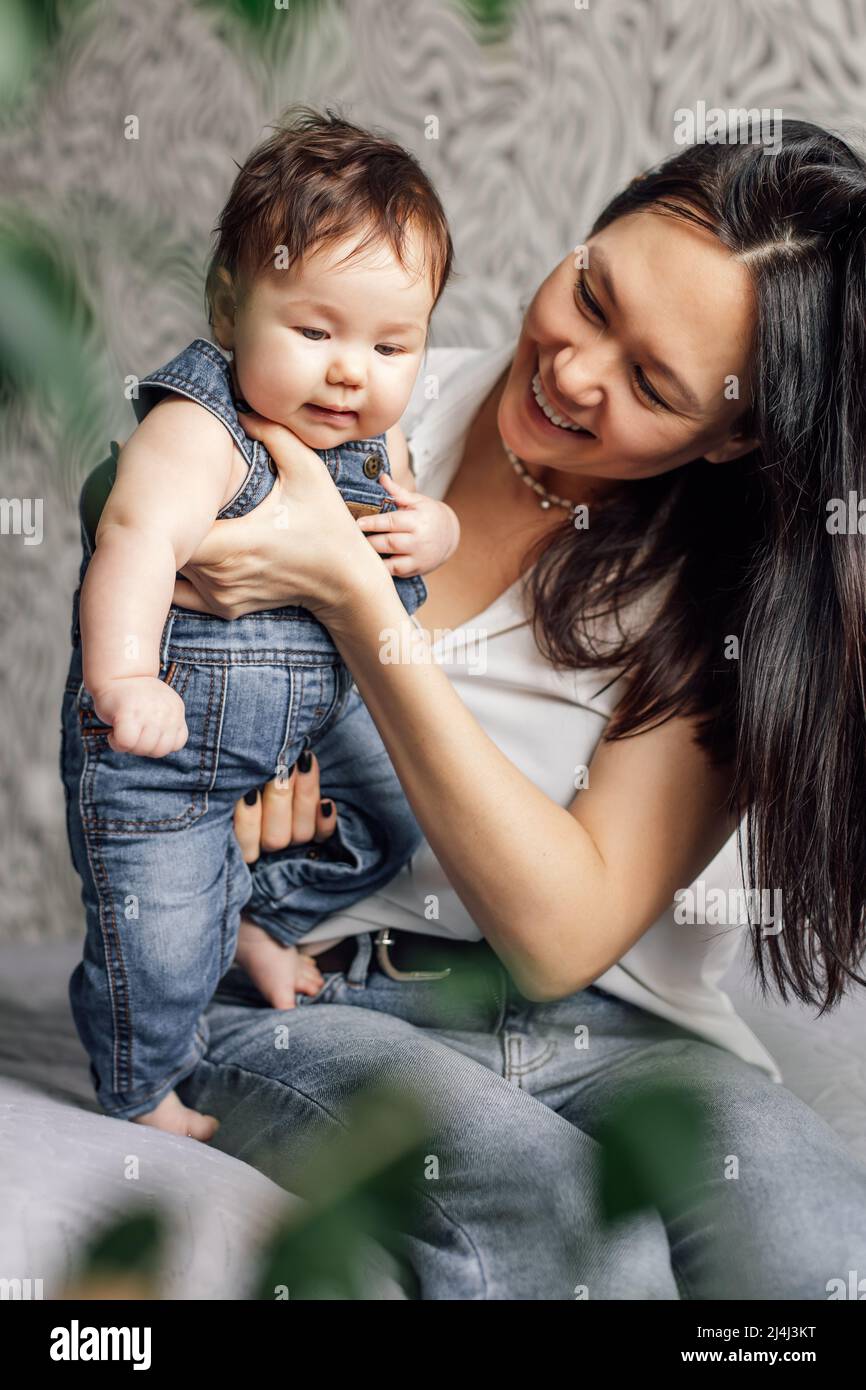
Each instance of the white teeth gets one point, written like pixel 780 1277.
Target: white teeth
pixel 547 408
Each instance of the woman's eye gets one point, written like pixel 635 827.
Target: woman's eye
pixel 641 382
pixel 386 349
pixel 647 391
pixel 308 332
pixel 587 299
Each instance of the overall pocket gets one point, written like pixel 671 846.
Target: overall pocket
pixel 339 689
pixel 124 793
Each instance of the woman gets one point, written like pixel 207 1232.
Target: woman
pixel 693 656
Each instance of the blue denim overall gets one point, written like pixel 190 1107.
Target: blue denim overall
pixel 163 882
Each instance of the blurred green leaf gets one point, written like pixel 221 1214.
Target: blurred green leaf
pixel 27 28
pixel 493 17
pixel 358 1189
pixel 46 319
pixel 131 1244
pixel 651 1145
pixel 257 19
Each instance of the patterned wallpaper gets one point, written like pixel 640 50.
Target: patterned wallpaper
pixel 537 126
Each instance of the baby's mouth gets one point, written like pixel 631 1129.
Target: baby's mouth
pixel 330 415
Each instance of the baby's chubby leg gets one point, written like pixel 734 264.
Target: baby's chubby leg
pixel 279 972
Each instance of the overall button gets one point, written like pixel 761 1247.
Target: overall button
pixel 372 466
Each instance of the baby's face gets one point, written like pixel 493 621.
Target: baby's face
pixel 324 338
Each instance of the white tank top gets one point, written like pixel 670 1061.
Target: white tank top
pixel 548 723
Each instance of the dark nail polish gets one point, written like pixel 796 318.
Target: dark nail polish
pixel 327 807
pixel 305 761
pixel 250 798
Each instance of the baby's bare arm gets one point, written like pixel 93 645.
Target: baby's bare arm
pixel 171 478
pixel 398 456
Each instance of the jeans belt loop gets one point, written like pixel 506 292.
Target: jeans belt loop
pixel 165 638
pixel 383 940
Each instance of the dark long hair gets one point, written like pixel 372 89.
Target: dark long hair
pixel 745 550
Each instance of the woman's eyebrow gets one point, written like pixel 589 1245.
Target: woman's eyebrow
pixel 600 263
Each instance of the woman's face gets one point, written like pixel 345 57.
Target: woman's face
pixel 644 348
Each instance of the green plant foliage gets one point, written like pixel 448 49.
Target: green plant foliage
pixel 46 319
pixel 493 17
pixel 651 1144
pixel 27 29
pixel 131 1244
pixel 359 1189
pixel 257 20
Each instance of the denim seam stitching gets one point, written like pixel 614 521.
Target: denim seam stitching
pixel 92 822
pixel 182 821
pixel 248 490
pixel 297 690
pixel 180 689
pixel 92 853
pixel 182 1071
pixel 224 963
pixel 341 696
pixel 265 656
pixel 524 1070
pixel 218 736
pixel 121 1051
pixel 211 403
pixel 203 397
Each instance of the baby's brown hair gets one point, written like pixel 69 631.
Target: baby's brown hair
pixel 314 181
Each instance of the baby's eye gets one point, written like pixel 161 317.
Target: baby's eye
pixel 308 331
pixel 387 349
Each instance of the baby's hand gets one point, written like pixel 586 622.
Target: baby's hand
pixel 147 716
pixel 418 537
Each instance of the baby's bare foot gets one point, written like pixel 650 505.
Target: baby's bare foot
pixel 176 1118
pixel 279 972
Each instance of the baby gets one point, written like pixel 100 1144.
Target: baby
pixel 332 252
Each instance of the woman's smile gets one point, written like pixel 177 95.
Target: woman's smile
pixel 540 419
pixel 550 411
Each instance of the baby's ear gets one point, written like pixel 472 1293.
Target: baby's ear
pixel 223 305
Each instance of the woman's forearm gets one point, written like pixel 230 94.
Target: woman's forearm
pixel 526 870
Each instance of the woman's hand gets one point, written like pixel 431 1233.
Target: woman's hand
pixel 301 545
pixel 286 811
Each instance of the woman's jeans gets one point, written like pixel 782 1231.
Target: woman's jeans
pixel 515 1094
